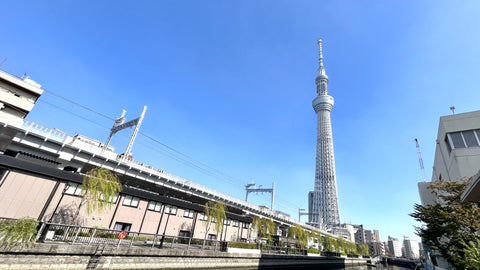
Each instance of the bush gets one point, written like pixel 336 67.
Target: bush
pixel 18 232
pixel 242 245
pixel 313 251
pixel 144 238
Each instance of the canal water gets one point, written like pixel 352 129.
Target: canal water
pixel 378 267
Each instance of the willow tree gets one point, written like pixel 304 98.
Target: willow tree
pixel 363 250
pixel 299 234
pixel 265 227
pixel 329 243
pixel 316 236
pixel 99 188
pixel 215 213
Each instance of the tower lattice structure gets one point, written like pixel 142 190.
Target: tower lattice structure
pixel 323 205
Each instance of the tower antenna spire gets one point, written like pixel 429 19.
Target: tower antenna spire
pixel 320 53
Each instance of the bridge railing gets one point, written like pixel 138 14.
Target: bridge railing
pixel 72 234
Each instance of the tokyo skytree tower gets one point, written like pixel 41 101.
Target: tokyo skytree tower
pixel 323 201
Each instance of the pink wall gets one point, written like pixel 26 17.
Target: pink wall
pixel 24 195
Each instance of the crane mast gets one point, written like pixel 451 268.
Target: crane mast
pixel 420 160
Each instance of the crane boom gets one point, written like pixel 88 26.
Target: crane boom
pixel 420 160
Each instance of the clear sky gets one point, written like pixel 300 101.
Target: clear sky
pixel 230 85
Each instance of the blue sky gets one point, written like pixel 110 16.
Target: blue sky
pixel 230 84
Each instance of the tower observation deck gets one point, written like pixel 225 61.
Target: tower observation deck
pixel 323 201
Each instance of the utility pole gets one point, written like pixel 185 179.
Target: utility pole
pixel 260 189
pixel 120 124
pixel 301 212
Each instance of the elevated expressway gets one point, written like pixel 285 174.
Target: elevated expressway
pixel 77 154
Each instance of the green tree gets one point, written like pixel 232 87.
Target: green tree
pixel 99 188
pixel 329 243
pixel 342 246
pixel 351 248
pixel 265 227
pixel 316 236
pixel 215 213
pixel 19 232
pixel 363 250
pixel 450 225
pixel 299 234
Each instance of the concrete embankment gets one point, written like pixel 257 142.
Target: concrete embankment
pixel 64 256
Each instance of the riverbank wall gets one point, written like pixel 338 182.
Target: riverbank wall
pixel 73 257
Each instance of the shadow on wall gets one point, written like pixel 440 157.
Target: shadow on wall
pixel 66 215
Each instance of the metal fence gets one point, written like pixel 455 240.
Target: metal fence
pixel 72 234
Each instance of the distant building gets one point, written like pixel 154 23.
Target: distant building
pixel 372 238
pixel 360 235
pixel 351 232
pixel 376 236
pixel 369 236
pixel 411 247
pixel 376 248
pixel 394 246
pixel 387 250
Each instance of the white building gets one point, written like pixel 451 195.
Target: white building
pixel 394 246
pixel 411 247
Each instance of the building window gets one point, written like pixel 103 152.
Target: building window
pixel 246 225
pixel 111 200
pixel 188 213
pixel 212 237
pixel 457 140
pixel 463 139
pixel 184 233
pixel 131 201
pixel 73 189
pixel 226 221
pixel 120 226
pixel 170 210
pixel 470 138
pixel 202 216
pixel 235 223
pixel 154 206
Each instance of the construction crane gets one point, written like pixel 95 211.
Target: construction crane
pixel 420 160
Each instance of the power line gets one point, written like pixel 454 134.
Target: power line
pixel 84 107
pixel 168 151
